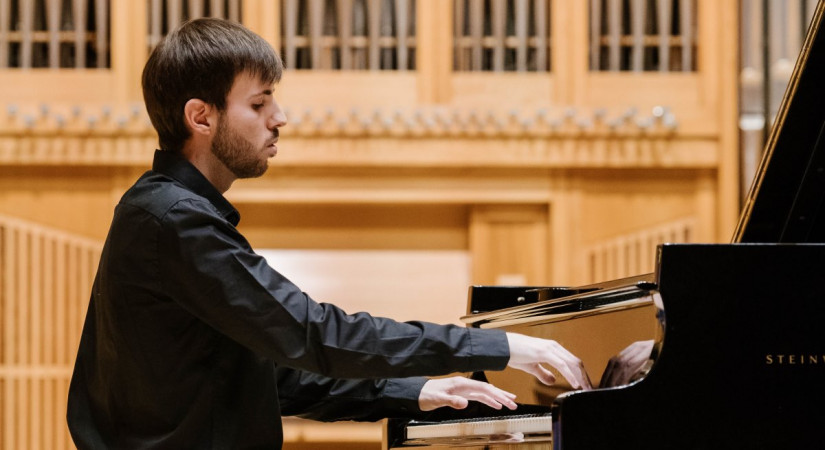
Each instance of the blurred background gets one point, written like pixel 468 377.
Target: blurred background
pixel 431 145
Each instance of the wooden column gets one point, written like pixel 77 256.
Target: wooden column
pixel 434 51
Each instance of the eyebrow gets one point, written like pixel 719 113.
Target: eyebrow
pixel 264 92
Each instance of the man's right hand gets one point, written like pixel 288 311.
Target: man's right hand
pixel 529 353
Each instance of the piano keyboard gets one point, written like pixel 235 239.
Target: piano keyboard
pixel 483 426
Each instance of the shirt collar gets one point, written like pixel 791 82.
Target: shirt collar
pixel 173 165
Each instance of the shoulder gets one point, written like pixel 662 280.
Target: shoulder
pixel 157 195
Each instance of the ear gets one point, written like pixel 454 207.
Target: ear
pixel 199 117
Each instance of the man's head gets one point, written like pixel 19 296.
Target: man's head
pixel 201 60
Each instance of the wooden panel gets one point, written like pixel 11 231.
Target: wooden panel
pixel 509 244
pixel 46 281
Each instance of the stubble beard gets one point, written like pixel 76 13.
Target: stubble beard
pixel 235 152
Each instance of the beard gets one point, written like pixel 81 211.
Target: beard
pixel 235 152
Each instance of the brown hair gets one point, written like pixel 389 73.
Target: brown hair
pixel 200 59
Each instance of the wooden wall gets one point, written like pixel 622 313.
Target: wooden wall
pixel 565 177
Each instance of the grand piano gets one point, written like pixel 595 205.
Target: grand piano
pixel 732 335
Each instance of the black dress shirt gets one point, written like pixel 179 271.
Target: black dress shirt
pixel 192 341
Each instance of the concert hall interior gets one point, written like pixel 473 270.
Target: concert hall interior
pixel 431 145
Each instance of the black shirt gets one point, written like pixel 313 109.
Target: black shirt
pixel 192 341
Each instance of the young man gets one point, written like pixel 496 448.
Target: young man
pixel 192 341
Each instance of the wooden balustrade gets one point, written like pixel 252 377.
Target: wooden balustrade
pixel 45 282
pixel 634 253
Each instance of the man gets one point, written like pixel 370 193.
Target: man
pixel 192 341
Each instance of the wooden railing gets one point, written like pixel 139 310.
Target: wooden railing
pixel 634 253
pixel 45 280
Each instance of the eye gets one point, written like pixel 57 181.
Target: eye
pixel 257 106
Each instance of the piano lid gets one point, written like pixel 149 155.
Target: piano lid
pixel 785 203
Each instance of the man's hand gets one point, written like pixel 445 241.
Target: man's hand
pixel 456 392
pixel 529 353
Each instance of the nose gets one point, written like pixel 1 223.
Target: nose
pixel 278 118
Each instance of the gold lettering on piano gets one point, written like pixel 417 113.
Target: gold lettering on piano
pixel 780 359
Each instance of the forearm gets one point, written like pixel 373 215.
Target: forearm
pixel 317 397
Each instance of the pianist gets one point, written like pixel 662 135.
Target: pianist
pixel 192 341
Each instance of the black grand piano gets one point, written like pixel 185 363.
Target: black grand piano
pixel 735 333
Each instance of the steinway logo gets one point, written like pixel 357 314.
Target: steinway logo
pixel 791 359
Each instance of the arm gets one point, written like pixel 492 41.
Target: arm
pixel 313 396
pixel 213 273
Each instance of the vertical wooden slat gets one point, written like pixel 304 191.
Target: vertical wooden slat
pixel 461 60
pixel 79 13
pixel 26 30
pixel 316 16
pixel 9 330
pixel 235 10
pixel 62 352
pixel 290 31
pixel 88 274
pixel 195 9
pixel 23 359
pixel 621 269
pixel 53 21
pixel 401 23
pixel 359 28
pixel 216 9
pixel 638 11
pixel 542 33
pixel 71 299
pixel 614 32
pixel 48 323
pixel 375 34
pixel 50 424
pixel 388 52
pixel 5 16
pixel 23 272
pixel 477 33
pixel 155 22
pixel 663 22
pixel 35 269
pixel 61 283
pixel 595 33
pixel 345 33
pixel 521 35
pixel 794 29
pixel 686 28
pixel 173 13
pixel 102 33
pixel 499 25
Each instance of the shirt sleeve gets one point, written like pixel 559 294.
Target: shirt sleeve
pixel 313 396
pixel 210 269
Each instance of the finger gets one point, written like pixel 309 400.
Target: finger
pixel 480 391
pixel 486 399
pixel 542 374
pixel 570 367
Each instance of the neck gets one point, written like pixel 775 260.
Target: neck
pixel 211 168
